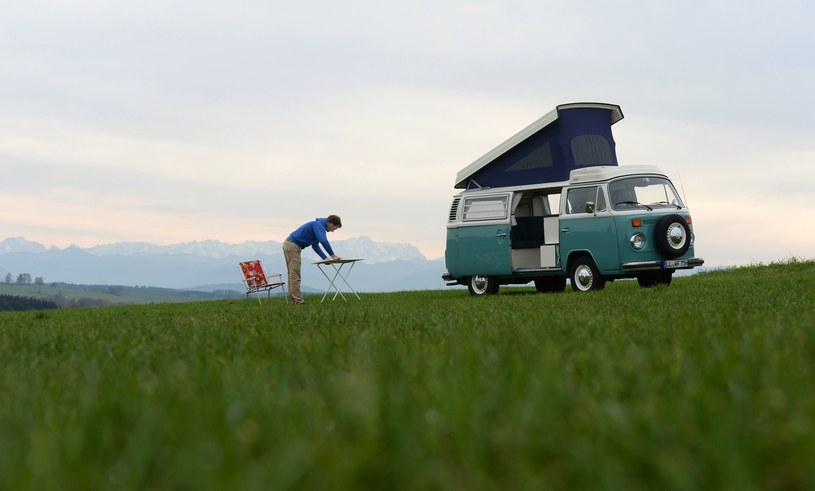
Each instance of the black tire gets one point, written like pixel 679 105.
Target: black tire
pixel 654 278
pixel 551 284
pixel 584 275
pixel 672 235
pixel 482 285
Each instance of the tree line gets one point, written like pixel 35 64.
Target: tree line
pixel 23 279
pixel 11 303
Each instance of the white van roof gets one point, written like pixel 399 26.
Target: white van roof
pixel 604 172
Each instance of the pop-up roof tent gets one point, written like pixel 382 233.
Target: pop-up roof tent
pixel 569 137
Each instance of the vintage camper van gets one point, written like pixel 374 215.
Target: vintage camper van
pixel 551 204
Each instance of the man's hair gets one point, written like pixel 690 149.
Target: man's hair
pixel 335 220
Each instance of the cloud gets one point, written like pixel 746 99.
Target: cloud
pixel 177 120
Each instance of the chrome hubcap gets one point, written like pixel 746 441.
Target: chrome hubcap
pixel 479 284
pixel 676 236
pixel 584 277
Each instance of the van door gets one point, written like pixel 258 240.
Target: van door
pixel 482 237
pixel 592 231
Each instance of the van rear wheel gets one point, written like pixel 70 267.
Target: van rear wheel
pixel 482 285
pixel 585 276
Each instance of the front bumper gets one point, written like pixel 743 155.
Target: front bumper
pixel 669 264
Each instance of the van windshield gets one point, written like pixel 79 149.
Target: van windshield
pixel 643 193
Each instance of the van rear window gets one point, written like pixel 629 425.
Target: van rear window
pixel 485 208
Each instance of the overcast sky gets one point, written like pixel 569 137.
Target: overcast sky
pixel 171 121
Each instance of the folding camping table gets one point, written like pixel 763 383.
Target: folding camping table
pixel 333 284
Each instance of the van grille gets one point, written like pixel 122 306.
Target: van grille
pixel 454 209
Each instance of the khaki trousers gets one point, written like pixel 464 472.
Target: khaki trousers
pixel 291 252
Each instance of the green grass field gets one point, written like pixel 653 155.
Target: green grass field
pixel 706 384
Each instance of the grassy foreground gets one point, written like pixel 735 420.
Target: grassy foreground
pixel 704 384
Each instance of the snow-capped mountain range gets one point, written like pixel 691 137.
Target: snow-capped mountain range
pixel 211 264
pixel 373 252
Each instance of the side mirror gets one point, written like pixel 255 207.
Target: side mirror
pixel 589 206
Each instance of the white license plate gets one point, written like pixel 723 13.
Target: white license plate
pixel 675 263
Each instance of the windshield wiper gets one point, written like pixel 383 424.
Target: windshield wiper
pixel 667 204
pixel 635 203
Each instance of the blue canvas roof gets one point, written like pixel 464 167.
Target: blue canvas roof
pixel 571 136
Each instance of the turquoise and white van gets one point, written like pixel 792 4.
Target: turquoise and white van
pixel 603 222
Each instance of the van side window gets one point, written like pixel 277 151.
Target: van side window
pixel 485 208
pixel 551 204
pixel 577 198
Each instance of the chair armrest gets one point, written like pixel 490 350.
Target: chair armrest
pixel 251 278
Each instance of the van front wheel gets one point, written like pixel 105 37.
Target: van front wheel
pixel 584 275
pixel 550 285
pixel 482 285
pixel 654 278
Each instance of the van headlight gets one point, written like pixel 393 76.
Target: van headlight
pixel 637 241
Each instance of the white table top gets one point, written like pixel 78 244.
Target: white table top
pixel 338 261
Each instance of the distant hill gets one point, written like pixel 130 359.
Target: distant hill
pixel 213 265
pixel 65 295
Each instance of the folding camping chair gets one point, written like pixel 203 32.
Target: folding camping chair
pixel 257 281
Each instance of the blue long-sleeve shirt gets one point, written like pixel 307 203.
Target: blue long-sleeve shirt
pixel 312 234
